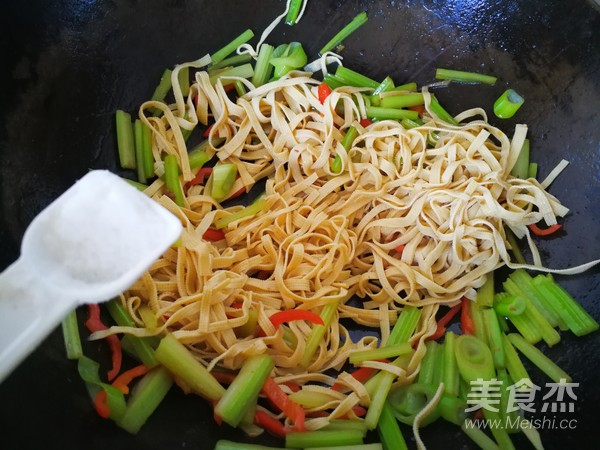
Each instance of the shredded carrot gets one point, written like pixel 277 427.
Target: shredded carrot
pixel 93 324
pixel 123 380
pixel 290 408
pixel 100 404
pixel 441 325
pixel 270 424
pixel 324 91
pixel 544 231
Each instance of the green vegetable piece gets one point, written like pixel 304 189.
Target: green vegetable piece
pixel 162 90
pixel 390 434
pixel 510 305
pixel 290 57
pixel 318 331
pixel 386 85
pixel 402 101
pixel 474 358
pixel 544 363
pixel 263 68
pixel 451 376
pixel 521 167
pixel 125 140
pixel 70 330
pixel 508 104
pixel 354 25
pixel 440 112
pixel 352 78
pixel 223 176
pixel 292 16
pixel 385 352
pixel 375 112
pixel 408 401
pixel 307 439
pixel 172 179
pixel 231 47
pixel 465 77
pixel 232 61
pixel 254 208
pixel 88 371
pixel 139 151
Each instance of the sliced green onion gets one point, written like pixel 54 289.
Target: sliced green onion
pixel 390 434
pixel 263 68
pixel 243 71
pixel 465 77
pixel 354 25
pixel 162 90
pixel 203 153
pixel 533 170
pixel 474 358
pixel 230 445
pixel 479 437
pixel 534 355
pixel 508 104
pixel 125 140
pixel 514 365
pixel 405 325
pixel 223 53
pixel 494 336
pixel 510 305
pixel 374 112
pixel 570 311
pixel 172 179
pixel 352 78
pixel 451 376
pixel 379 353
pixel 223 176
pixel 293 57
pixel 440 112
pixel 177 358
pixel 145 398
pixel 245 387
pixel 521 167
pixel 412 87
pixel 232 61
pixel 386 85
pixel 402 101
pixel 70 330
pixel 318 331
pixel 307 439
pixel 408 401
pixel 138 133
pixel 254 208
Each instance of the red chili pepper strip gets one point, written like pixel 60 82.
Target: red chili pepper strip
pixel 269 423
pixel 365 122
pixel 200 176
pixel 290 408
pixel 466 322
pixel 237 193
pixel 94 323
pixel 100 404
pixel 420 109
pixel 213 235
pixel 400 248
pixel 223 377
pixel 123 380
pixel 295 314
pixel 207 131
pixel 359 411
pixel 544 231
pixel 441 325
pixel 324 91
pixel 361 374
pixel 229 87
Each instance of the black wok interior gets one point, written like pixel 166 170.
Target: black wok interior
pixel 68 64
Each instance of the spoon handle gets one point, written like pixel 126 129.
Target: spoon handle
pixel 29 311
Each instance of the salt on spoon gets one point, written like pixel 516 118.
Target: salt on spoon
pixel 89 245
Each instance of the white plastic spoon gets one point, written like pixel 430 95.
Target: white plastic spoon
pixel 89 245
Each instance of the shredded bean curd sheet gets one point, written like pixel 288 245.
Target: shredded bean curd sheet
pixel 323 237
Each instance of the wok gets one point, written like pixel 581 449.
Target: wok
pixel 68 64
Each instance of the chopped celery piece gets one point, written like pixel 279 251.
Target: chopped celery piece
pixel 384 86
pixel 409 124
pixel 514 365
pixel 494 337
pixel 452 409
pixel 333 81
pixel 293 57
pixel 535 355
pixel 320 438
pixel 223 176
pixel 177 358
pixel 440 112
pixel 231 47
pixel 514 246
pixel 202 153
pixel 318 331
pixel 509 305
pixel 292 15
pixel 232 61
pixel 148 157
pixel 474 358
pixel 263 68
pixel 485 294
pixel 138 133
pixel 412 87
pixel 254 208
pixel 139 186
pixel 390 434
pixel 379 353
pixel 347 425
pixel 523 285
pixel 402 101
pixel 508 104
pixel 428 363
pixel 125 140
pixel 349 138
pixel 145 398
pixel 172 179
pixel 521 167
pixel 451 376
pixel 244 389
pixel 162 90
pixel 375 112
pixel 479 437
pixel 465 77
pixel 438 365
pixel 533 170
pixel 352 78
pixel 70 330
pixel 243 71
pixel 336 164
pixel 354 25
pixel 408 401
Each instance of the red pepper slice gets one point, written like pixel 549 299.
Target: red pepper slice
pixel 269 423
pixel 418 108
pixel 213 235
pixel 295 314
pixel 100 404
pixel 229 87
pixel 400 249
pixel 544 231
pixel 237 193
pixel 207 131
pixel 123 380
pixel 441 325
pixel 467 325
pixel 200 176
pixel 93 324
pixel 365 122
pixel 290 408
pixel 324 91
pixel 361 374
